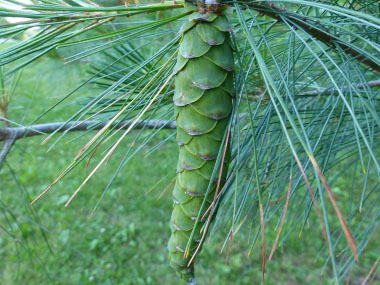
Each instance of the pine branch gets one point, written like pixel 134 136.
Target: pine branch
pixel 311 27
pixel 48 128
pixel 8 143
pixel 43 129
pixel 9 135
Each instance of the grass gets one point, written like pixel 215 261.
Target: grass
pixel 124 241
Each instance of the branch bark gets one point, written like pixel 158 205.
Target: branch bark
pixel 9 135
pixel 311 27
pixel 43 129
pixel 6 148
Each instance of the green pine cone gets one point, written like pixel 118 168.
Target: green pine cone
pixel 203 103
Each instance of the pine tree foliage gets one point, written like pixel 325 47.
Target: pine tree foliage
pixel 306 108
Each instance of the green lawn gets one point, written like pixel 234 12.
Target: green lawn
pixel 124 241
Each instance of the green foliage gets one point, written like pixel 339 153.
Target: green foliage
pixel 306 109
pixel 125 240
